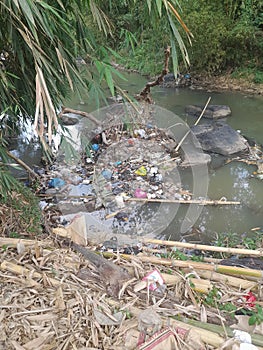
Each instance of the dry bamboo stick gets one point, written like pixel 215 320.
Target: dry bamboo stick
pixel 23 271
pixel 198 284
pixel 198 120
pixel 229 280
pixel 182 201
pixel 228 270
pixel 163 251
pixel 60 195
pixel 12 242
pixel 257 339
pixel 204 247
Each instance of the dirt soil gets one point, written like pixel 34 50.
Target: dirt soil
pixel 226 83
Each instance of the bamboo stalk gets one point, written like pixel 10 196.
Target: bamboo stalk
pixel 229 280
pixel 23 271
pixel 204 247
pixel 198 284
pixel 257 339
pixel 229 270
pixel 12 242
pixel 182 201
pixel 206 335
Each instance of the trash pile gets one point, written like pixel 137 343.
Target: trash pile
pixel 57 297
pixel 120 165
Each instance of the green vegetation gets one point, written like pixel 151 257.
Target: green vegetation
pixel 233 240
pixel 20 214
pixel 256 317
pixel 39 44
pixel 228 38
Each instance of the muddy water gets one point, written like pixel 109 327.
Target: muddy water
pixel 233 181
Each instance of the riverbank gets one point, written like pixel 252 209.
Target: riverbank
pixel 212 83
pixel 226 83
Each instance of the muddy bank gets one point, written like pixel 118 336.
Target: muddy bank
pixel 226 83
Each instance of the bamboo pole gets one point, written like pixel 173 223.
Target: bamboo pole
pixel 257 339
pixel 12 242
pixel 229 280
pixel 197 284
pixel 204 247
pixel 23 271
pixel 81 113
pixel 182 201
pixel 228 270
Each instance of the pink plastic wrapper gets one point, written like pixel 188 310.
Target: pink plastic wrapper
pixel 155 279
pixel 139 193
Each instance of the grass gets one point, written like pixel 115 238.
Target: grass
pixel 20 214
pixel 250 74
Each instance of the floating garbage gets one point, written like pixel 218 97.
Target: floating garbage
pixel 139 193
pixel 141 171
pixel 95 147
pixel 56 183
pixel 107 174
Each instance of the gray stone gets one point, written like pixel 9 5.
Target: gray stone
pixel 195 158
pixel 220 138
pixel 211 112
pixel 68 119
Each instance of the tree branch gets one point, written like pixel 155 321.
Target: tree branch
pixel 22 164
pixel 82 113
pixel 145 93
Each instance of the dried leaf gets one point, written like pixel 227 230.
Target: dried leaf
pixel 60 303
pixel 243 324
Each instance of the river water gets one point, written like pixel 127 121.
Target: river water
pixel 234 181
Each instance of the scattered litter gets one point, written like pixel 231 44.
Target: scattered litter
pixel 154 280
pixel 56 183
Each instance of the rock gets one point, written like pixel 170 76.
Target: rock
pixel 195 158
pixel 69 119
pixel 181 80
pixel 168 78
pixel 220 138
pixel 212 111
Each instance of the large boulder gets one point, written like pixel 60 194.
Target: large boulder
pixel 211 112
pixel 220 138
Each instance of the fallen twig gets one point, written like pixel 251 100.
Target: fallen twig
pixel 198 120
